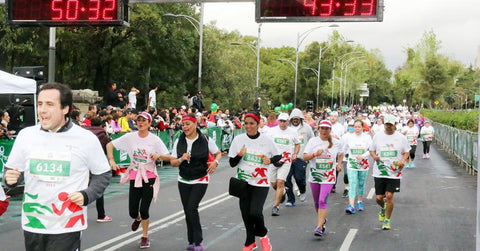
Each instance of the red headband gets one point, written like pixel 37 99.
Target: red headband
pixel 255 117
pixel 194 120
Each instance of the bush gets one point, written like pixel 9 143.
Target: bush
pixel 464 120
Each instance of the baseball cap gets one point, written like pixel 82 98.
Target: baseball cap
pixel 325 123
pixel 389 118
pixel 146 116
pixel 283 116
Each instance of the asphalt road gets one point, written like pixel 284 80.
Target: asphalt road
pixel 435 210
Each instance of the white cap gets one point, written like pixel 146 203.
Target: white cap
pixel 283 116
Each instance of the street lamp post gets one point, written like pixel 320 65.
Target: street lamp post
pixel 290 62
pixel 198 25
pixel 343 83
pixel 256 51
pixel 300 39
pixel 346 73
pixel 333 71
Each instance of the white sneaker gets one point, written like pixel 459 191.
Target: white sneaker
pixel 303 197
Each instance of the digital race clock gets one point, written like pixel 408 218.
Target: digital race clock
pixel 67 12
pixel 319 10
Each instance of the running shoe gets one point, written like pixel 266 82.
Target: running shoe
pixel 345 193
pixel 266 245
pixel 350 210
pixel 283 195
pixel 290 204
pixel 145 242
pixel 105 219
pixel 275 211
pixel 424 156
pixel 250 247
pixel 198 247
pixel 318 232
pixel 190 246
pixel 428 155
pixel 303 197
pixel 360 206
pixel 333 190
pixel 412 165
pixel 381 214
pixel 324 226
pixel 135 224
pixel 386 224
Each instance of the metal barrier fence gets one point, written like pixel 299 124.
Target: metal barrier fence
pixel 223 139
pixel 460 143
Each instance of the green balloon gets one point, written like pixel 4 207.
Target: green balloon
pixel 290 105
pixel 213 107
pixel 276 109
pixel 283 106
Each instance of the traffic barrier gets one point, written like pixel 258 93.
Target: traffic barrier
pixel 460 143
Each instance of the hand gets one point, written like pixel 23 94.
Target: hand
pixel 154 156
pixel 11 176
pixel 185 156
pixel 294 157
pixel 401 164
pixel 113 165
pixel 319 152
pixel 266 160
pixel 339 167
pixel 212 166
pixel 242 151
pixel 376 158
pixel 77 198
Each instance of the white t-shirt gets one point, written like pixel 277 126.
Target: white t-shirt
pixel 376 128
pixel 132 99
pixel 2 194
pixel 212 148
pixel 251 167
pixel 140 149
pixel 411 133
pixel 54 166
pixel 390 148
pixel 427 133
pixel 153 98
pixel 285 140
pixel 323 167
pixel 356 145
pixel 337 130
pixel 305 133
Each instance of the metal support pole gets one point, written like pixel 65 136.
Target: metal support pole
pixel 51 55
pixel 200 50
pixel 318 77
pixel 258 57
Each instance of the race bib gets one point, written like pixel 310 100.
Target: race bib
pixel 357 151
pixel 323 172
pixel 282 141
pixel 50 166
pixel 253 158
pixel 389 154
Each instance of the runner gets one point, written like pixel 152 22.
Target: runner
pixel 337 132
pixel 55 159
pixel 411 131
pixel 143 148
pixel 427 134
pixel 297 169
pixel 251 153
pixel 356 145
pixel 191 151
pixel 286 140
pixel 324 151
pixel 390 151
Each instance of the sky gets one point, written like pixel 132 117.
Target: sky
pixel 455 23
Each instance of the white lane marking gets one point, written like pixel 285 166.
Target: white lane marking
pixel 371 194
pixel 153 224
pixel 348 239
pixel 153 230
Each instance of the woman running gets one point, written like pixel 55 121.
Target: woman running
pixel 251 153
pixel 356 145
pixel 191 153
pixel 143 148
pixel 427 134
pixel 324 150
pixel 411 131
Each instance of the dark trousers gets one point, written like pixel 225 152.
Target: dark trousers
pixel 100 208
pixel 413 148
pixel 140 198
pixel 297 171
pixel 251 207
pixel 51 242
pixel 426 146
pixel 191 195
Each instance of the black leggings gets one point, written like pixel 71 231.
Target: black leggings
pixel 251 207
pixel 426 146
pixel 413 148
pixel 140 198
pixel 100 208
pixel 191 195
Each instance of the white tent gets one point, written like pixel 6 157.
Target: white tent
pixel 12 84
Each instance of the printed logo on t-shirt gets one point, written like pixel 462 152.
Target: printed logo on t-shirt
pixel 282 140
pixel 140 155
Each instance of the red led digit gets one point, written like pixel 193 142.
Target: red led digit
pixel 326 8
pixel 72 10
pixel 109 9
pixel 20 10
pixel 35 9
pixel 310 6
pixel 94 10
pixel 350 8
pixel 57 12
pixel 367 8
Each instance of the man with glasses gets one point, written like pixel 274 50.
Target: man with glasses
pixel 297 170
pixel 286 140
